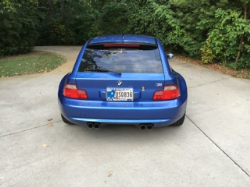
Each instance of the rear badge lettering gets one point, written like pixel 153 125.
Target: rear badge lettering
pixel 143 88
pixel 158 84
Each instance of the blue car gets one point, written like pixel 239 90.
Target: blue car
pixel 123 79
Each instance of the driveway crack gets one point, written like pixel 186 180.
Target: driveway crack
pixel 4 135
pixel 218 147
pixel 210 82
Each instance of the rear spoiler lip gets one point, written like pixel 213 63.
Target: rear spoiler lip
pixel 132 43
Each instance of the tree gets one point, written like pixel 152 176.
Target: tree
pixel 215 31
pixel 19 22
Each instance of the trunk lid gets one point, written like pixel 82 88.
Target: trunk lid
pixel 143 85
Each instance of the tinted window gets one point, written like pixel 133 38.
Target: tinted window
pixel 125 60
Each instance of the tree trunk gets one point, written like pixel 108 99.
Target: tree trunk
pixel 51 7
pixel 240 48
pixel 241 45
pixel 62 5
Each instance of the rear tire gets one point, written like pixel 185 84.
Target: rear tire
pixel 66 121
pixel 179 122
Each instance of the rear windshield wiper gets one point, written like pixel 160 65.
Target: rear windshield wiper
pixel 104 70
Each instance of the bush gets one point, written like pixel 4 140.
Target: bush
pixel 18 31
pixel 207 54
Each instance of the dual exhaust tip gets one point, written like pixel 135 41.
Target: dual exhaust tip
pixel 146 126
pixel 93 125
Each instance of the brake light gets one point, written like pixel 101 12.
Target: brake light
pixel 71 91
pixel 168 93
pixel 121 45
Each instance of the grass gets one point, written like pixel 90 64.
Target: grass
pixel 35 62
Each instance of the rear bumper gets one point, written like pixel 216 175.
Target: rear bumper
pixel 159 113
pixel 156 123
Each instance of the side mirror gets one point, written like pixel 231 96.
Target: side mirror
pixel 170 55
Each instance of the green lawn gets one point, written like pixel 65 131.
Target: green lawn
pixel 35 62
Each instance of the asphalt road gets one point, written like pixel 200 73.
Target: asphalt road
pixel 212 148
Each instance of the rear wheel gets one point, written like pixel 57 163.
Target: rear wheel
pixel 179 122
pixel 66 121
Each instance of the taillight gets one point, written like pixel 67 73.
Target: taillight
pixel 71 91
pixel 168 93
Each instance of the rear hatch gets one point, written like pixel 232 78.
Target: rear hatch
pixel 120 72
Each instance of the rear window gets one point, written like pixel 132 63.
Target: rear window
pixel 121 60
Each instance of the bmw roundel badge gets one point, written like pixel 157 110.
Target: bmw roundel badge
pixel 119 83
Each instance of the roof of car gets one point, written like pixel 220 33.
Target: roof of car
pixel 127 38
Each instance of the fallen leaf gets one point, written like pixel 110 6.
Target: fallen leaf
pixel 51 125
pixel 50 119
pixel 45 145
pixel 110 174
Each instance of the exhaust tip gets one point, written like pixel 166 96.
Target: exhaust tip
pixel 90 125
pixel 143 127
pixel 97 125
pixel 150 127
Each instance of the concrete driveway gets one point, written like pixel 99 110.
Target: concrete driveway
pixel 212 148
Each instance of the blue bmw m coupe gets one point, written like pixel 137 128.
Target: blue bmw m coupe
pixel 123 79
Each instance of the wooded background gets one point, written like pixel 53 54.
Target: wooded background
pixel 216 31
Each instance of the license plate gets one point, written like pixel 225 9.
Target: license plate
pixel 120 94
